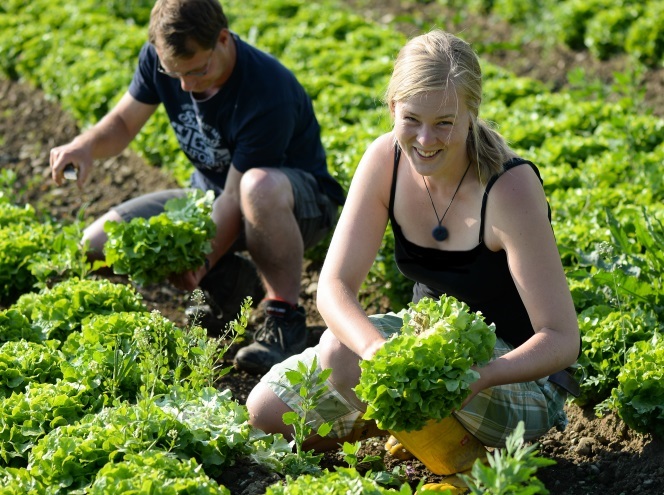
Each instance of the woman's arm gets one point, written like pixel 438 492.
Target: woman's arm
pixel 517 222
pixel 355 243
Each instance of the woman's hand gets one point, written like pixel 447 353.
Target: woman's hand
pixel 371 350
pixel 475 388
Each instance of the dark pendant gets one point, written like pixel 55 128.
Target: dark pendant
pixel 439 233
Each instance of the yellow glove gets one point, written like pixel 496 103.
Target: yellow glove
pixel 397 450
pixel 442 487
pixel 444 447
pixel 452 485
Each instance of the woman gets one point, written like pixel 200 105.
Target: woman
pixel 471 220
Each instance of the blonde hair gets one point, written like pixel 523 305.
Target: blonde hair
pixel 436 61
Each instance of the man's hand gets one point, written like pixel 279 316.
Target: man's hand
pixel 73 154
pixel 188 280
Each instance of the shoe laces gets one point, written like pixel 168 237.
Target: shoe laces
pixel 271 332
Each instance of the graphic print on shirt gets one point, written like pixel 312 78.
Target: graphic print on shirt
pixel 201 142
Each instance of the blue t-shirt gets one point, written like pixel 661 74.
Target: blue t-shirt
pixel 261 117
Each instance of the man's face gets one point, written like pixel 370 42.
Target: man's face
pixel 195 73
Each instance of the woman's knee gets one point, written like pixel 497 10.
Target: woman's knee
pixel 266 410
pixel 344 362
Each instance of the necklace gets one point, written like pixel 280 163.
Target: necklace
pixel 440 233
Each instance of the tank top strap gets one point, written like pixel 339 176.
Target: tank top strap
pixel 393 189
pixel 513 162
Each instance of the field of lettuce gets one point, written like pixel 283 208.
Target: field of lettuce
pixel 92 378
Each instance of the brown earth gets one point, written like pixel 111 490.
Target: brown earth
pixel 593 455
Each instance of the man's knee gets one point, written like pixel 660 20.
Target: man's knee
pixel 95 236
pixel 262 188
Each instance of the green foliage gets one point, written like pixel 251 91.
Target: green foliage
pixel 154 471
pixel 310 385
pixel 69 456
pixel 343 480
pixel 24 362
pixel 511 471
pixel 13 214
pixel 125 355
pixel 207 425
pixel 639 396
pixel 20 243
pixel 606 334
pixel 605 31
pixel 14 325
pixel 573 16
pixel 28 416
pixel 35 253
pixel 425 372
pixel 115 354
pixel 175 241
pixel 60 310
pixel 119 357
pixel 210 426
pixel 645 37
pixel 200 357
pixel 606 28
pixel 17 481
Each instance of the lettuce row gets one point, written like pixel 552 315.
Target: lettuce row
pixel 57 312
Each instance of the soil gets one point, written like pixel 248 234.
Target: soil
pixel 593 455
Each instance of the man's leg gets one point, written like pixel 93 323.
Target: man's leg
pixel 272 234
pixel 95 236
pixel 226 286
pixel 145 206
pixel 284 214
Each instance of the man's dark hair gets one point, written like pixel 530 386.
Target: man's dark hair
pixel 182 27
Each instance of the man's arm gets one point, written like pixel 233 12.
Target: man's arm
pixel 107 138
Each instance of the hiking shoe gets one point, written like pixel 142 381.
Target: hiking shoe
pixel 282 334
pixel 229 282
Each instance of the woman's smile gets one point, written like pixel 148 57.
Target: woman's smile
pixel 427 154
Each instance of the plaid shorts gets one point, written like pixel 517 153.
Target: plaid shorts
pixel 491 416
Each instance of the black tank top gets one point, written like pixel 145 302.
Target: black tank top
pixel 479 277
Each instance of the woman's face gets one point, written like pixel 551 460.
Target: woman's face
pixel 432 129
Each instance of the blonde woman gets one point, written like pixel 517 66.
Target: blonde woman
pixel 470 219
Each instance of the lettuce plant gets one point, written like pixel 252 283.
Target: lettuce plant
pixel 148 250
pixel 163 472
pixel 343 480
pixel 425 372
pixel 510 470
pixel 639 396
